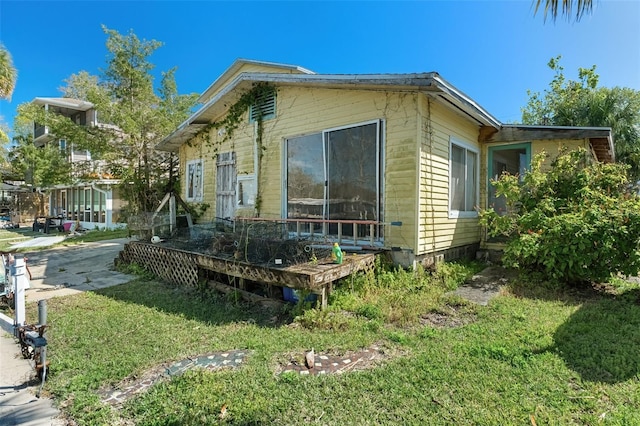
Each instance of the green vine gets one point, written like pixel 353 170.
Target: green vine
pixel 235 117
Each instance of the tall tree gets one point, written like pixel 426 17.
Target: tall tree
pixel 8 74
pixel 583 103
pixel 8 78
pixel 137 119
pixel 142 116
pixel 569 8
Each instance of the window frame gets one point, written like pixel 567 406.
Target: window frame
pixel 241 181
pixel 324 141
pixel 197 193
pixel 469 212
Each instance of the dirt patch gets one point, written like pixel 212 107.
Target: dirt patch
pixel 485 285
pixel 440 320
pixel 335 363
pixel 449 317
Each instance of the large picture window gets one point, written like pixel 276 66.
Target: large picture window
pixel 335 174
pixel 463 180
pixel 194 180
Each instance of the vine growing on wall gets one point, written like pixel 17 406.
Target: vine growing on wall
pixel 235 117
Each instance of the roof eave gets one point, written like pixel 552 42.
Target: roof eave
pixel 173 141
pixel 237 64
pixel 70 103
pixel 600 138
pixel 426 82
pixel 466 104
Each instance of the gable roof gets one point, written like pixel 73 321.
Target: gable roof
pixel 240 63
pixel 233 80
pixel 430 83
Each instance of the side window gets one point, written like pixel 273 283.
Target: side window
pixel 246 191
pixel 464 185
pixel 194 180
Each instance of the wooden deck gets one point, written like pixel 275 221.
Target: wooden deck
pixel 183 267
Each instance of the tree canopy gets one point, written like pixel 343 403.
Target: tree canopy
pixel 134 116
pixel 8 74
pixel 8 78
pixel 583 103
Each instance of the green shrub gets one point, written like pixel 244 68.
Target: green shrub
pixel 573 223
pixel 369 311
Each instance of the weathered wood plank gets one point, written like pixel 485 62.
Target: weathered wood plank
pixel 252 297
pixel 181 267
pixel 516 133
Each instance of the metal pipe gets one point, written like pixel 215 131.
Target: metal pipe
pixel 43 361
pixel 42 320
pixel 42 312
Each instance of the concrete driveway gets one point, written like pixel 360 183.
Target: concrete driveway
pixel 63 271
pixel 55 272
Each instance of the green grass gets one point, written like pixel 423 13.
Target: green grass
pixel 9 237
pixel 93 235
pixel 556 357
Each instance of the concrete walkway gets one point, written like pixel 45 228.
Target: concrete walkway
pixel 59 271
pixel 63 271
pixel 18 386
pixel 485 285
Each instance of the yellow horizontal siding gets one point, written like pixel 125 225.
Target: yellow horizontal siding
pixel 551 147
pixel 302 111
pixel 436 231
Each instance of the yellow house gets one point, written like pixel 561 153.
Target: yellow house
pixel 396 161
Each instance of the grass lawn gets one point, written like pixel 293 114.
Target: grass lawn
pixel 534 356
pixel 9 237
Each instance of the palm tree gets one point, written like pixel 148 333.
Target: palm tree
pixel 552 8
pixel 8 74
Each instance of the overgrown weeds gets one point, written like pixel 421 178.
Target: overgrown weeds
pixel 556 358
pixel 399 296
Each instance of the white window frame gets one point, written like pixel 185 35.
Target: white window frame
pixel 469 211
pixel 192 168
pixel 246 190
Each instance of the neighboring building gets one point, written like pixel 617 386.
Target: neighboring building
pixel 402 160
pixel 93 202
pixel 18 202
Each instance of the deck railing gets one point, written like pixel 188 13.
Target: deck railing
pixel 360 233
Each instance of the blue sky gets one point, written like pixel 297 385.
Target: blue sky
pixel 491 50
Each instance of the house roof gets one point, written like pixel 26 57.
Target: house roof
pixel 600 138
pixel 69 103
pixel 430 83
pixel 238 65
pixel 232 82
pixel 12 188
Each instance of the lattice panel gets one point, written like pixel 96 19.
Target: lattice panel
pixel 170 265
